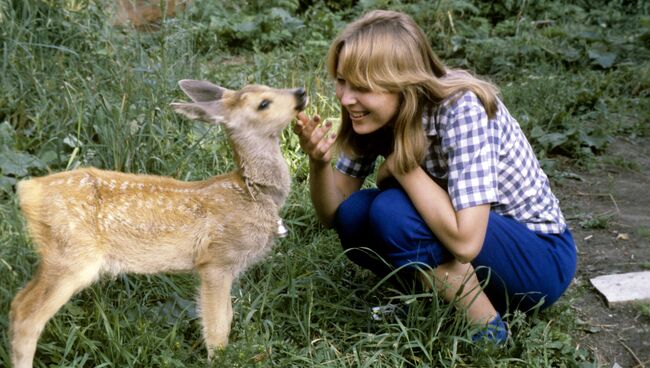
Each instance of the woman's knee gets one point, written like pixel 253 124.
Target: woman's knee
pixel 393 217
pixel 351 219
pixel 402 233
pixel 388 212
pixel 355 209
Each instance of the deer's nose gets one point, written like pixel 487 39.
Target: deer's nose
pixel 300 93
pixel 301 97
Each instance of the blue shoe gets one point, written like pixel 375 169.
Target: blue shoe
pixel 496 331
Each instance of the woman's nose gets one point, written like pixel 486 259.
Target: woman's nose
pixel 347 96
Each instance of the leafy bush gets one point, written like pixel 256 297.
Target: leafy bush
pixel 258 25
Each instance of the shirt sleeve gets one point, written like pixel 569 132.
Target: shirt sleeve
pixel 359 167
pixel 471 143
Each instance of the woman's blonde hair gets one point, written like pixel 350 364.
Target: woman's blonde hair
pixel 386 51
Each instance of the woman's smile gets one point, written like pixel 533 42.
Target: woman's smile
pixel 357 115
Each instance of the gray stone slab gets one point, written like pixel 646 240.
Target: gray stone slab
pixel 624 288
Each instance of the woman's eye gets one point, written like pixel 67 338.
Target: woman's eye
pixel 264 104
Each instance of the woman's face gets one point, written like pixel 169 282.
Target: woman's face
pixel 369 111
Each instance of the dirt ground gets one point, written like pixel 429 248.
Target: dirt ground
pixel 608 210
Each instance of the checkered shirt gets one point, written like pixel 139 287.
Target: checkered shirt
pixel 482 161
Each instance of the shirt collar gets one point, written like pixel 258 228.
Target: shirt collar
pixel 429 121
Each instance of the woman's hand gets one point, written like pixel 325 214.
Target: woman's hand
pixel 327 187
pixel 314 138
pixel 462 232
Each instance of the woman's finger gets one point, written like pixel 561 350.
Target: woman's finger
pixel 319 132
pixel 311 125
pixel 314 137
pixel 324 146
pixel 301 121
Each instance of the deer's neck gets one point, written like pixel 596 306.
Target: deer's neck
pixel 262 166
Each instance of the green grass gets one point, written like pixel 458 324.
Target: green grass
pixel 75 91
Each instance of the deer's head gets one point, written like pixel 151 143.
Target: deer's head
pixel 255 109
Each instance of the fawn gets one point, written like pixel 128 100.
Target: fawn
pixel 88 222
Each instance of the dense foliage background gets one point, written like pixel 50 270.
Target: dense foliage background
pixel 77 91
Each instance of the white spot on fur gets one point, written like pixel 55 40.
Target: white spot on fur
pixel 85 181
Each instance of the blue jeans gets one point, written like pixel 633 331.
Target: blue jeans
pixel 381 230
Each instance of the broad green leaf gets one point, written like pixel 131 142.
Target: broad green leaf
pixel 6 134
pixel 602 58
pixel 72 141
pixel 537 132
pixel 553 140
pixel 570 54
pixel 6 183
pixel 18 163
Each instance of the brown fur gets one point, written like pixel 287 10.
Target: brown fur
pixel 90 222
pixel 145 15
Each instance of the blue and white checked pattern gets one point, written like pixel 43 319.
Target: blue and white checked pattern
pixel 482 161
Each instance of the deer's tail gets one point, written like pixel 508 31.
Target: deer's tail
pixel 31 198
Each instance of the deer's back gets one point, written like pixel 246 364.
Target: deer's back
pixel 141 223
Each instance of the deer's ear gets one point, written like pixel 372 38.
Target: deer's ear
pixel 209 112
pixel 201 91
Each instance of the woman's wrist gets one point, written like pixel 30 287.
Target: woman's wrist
pixel 407 178
pixel 317 165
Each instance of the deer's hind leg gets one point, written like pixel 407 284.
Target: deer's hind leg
pixel 36 303
pixel 215 305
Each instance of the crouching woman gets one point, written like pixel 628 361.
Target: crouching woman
pixel 460 190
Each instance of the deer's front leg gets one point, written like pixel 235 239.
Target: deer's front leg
pixel 215 306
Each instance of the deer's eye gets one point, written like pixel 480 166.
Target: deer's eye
pixel 264 104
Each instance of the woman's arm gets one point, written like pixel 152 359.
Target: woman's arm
pixel 461 232
pixel 327 187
